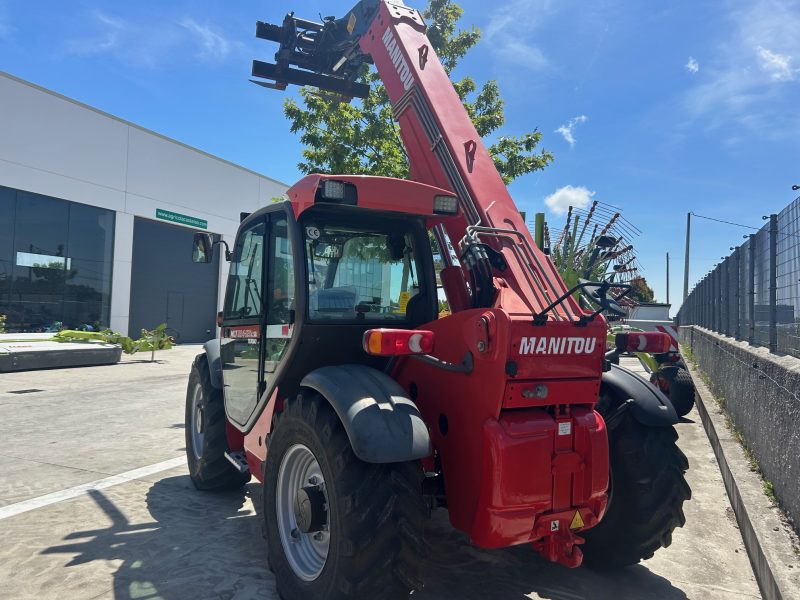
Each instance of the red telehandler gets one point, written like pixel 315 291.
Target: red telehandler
pixel 335 384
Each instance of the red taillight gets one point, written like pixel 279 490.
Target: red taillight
pixel 397 342
pixel 651 342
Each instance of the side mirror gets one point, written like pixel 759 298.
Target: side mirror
pixel 202 248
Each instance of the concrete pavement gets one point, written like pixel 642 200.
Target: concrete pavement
pixel 151 535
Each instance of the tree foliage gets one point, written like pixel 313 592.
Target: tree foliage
pixel 641 291
pixel 362 138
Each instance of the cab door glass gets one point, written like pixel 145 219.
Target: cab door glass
pixel 241 330
pixel 280 296
pixel 243 297
pixel 360 273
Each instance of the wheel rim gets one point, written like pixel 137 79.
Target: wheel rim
pixel 197 422
pixel 306 553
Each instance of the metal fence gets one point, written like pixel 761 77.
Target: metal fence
pixel 754 294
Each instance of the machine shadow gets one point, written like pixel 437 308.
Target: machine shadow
pixel 189 544
pixel 456 569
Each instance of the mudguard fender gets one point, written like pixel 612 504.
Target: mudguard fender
pixel 650 407
pixel 383 423
pixel 212 351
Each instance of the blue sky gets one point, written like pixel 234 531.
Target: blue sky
pixel 656 107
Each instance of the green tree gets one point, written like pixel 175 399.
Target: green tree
pixel 362 138
pixel 641 291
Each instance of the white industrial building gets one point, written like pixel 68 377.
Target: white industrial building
pixel 97 215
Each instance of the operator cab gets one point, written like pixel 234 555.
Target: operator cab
pixel 307 279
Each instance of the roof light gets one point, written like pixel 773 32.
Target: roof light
pixel 339 192
pixel 445 205
pixel 397 342
pixel 333 190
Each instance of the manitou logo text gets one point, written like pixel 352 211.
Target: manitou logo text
pixel 398 60
pixel 569 345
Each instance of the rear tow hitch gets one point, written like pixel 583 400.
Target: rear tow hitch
pixel 562 548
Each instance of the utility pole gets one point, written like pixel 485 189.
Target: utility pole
pixel 773 283
pixel 686 258
pixel 667 277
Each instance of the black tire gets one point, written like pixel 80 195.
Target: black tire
pixel 208 467
pixel 646 495
pixel 375 512
pixel 681 389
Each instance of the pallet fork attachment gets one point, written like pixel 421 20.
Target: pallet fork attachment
pixel 322 55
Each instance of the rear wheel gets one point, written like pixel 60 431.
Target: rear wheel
pixel 338 527
pixel 206 442
pixel 647 490
pixel 677 385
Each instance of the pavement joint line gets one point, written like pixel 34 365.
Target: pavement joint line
pixel 18 508
pixel 53 464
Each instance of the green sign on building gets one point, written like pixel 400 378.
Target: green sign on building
pixel 167 215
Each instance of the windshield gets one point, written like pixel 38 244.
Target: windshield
pixel 360 273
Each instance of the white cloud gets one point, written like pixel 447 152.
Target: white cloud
pixel 567 130
pixel 108 40
pixel 509 41
pixel 151 44
pixel 213 45
pixel 750 78
pixel 5 28
pixel 559 201
pixel 692 66
pixel 779 66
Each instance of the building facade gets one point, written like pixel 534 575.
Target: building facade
pixel 97 217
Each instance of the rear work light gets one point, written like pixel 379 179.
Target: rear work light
pixel 339 192
pixel 397 342
pixel 445 205
pixel 651 342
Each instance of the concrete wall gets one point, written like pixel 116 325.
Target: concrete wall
pixel 55 146
pixel 761 393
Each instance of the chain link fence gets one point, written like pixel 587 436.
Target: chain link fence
pixel 754 294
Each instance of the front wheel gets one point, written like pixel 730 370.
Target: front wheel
pixel 647 489
pixel 206 440
pixel 337 527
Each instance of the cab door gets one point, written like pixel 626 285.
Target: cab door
pixel 243 322
pixel 258 320
pixel 280 299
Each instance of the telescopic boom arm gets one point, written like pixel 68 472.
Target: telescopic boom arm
pixel 442 144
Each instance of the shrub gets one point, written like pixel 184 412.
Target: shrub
pixel 157 339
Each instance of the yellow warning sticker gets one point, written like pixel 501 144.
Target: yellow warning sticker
pixel 351 23
pixel 577 521
pixel 404 298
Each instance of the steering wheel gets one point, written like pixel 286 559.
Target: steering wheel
pixel 279 311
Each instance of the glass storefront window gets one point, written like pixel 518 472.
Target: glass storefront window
pixel 55 263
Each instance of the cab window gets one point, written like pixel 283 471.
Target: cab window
pixel 243 297
pixel 360 273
